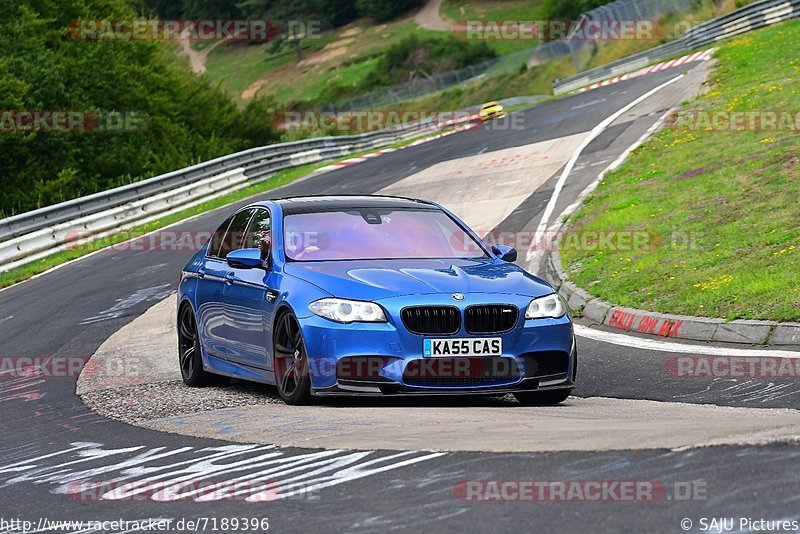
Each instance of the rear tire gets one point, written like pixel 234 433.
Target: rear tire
pixel 542 398
pixel 190 358
pixel 290 362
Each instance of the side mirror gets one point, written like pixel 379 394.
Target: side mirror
pixel 505 253
pixel 245 258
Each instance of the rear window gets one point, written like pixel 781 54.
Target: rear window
pixel 366 234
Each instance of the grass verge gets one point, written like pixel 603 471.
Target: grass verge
pixel 345 55
pixel 717 209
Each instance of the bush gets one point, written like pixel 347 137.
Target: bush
pixel 417 56
pixel 185 120
pixel 414 57
pixel 383 10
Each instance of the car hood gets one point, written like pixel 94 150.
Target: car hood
pixel 378 279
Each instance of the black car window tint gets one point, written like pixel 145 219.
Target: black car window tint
pixel 235 235
pixel 259 229
pixel 218 237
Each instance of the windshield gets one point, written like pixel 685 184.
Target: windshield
pixel 370 234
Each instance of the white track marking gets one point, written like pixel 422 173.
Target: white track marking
pixel 666 346
pixel 243 472
pixel 619 160
pixel 593 134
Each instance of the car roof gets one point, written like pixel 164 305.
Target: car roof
pixel 308 204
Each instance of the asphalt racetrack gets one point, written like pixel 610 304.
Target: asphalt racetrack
pixel 711 447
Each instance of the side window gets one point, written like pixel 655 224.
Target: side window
pixel 219 235
pixel 259 229
pixel 235 235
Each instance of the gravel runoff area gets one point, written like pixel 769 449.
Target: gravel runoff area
pixel 142 402
pixel 133 377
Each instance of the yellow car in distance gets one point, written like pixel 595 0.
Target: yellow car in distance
pixel 491 110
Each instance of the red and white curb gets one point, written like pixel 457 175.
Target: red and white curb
pixel 703 55
pixel 357 159
pixel 371 155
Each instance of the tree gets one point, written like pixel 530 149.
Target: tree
pixel 339 12
pixel 44 68
pixel 383 10
pixel 210 9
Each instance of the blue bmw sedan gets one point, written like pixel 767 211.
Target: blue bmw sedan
pixel 369 295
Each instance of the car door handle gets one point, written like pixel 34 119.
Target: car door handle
pixel 229 278
pixel 201 273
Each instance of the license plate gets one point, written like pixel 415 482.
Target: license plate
pixel 473 346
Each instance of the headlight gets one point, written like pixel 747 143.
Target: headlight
pixel 549 306
pixel 348 311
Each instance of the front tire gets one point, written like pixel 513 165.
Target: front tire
pixel 190 358
pixel 290 362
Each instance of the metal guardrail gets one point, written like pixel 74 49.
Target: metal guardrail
pixel 39 233
pixel 750 17
pixel 34 220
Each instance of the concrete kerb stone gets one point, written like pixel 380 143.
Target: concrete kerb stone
pixel 596 311
pixel 786 334
pixel 744 331
pixel 578 299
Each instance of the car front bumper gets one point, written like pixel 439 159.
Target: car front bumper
pixel 370 390
pixel 387 359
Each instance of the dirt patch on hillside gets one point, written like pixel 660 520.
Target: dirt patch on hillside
pixel 262 83
pixel 329 52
